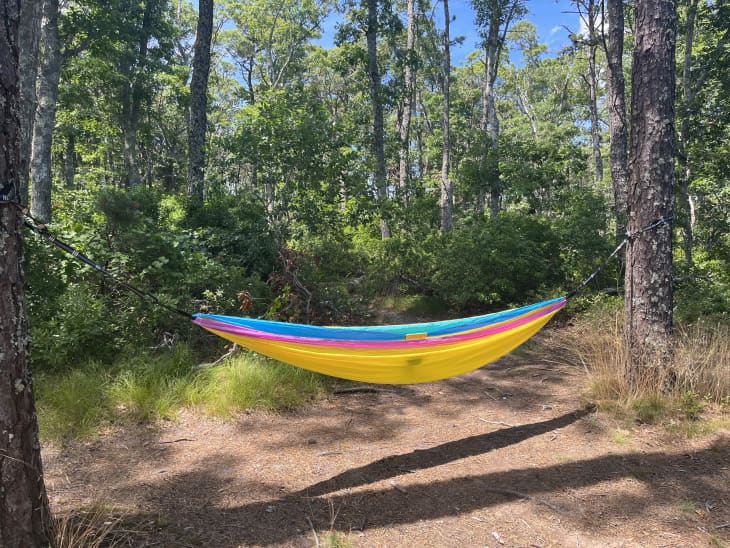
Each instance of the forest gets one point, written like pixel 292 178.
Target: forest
pixel 330 162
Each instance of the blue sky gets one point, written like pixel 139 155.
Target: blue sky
pixel 549 16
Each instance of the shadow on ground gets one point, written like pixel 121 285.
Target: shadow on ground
pixel 351 500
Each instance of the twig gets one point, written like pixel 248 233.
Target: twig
pixel 510 493
pixel 723 525
pixel 401 489
pixel 177 440
pixel 328 453
pixel 314 532
pixel 498 423
pixel 361 390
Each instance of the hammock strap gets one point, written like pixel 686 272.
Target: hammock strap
pixel 39 228
pixel 629 236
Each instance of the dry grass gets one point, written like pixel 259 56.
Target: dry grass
pixel 97 526
pixel 701 369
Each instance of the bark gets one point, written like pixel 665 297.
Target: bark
pixel 648 300
pixel 405 121
pixel 447 188
pixel 685 202
pixel 618 152
pixel 199 99
pixel 24 513
pixel 45 121
pixel 378 132
pixel 28 42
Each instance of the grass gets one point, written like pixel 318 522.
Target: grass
pixel 78 402
pixel 92 527
pixel 700 357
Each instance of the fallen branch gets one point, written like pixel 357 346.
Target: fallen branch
pixel 234 349
pixel 314 532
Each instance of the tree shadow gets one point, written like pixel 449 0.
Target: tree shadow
pixel 283 520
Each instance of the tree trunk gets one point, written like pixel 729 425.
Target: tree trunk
pixel 648 300
pixel 28 42
pixel 618 152
pixel 199 99
pixel 447 188
pixel 405 121
pixel 45 121
pixel 69 159
pixel 132 92
pixel 24 515
pixel 593 89
pixel 685 203
pixel 489 125
pixel 378 131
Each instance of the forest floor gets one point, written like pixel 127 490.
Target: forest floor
pixel 504 456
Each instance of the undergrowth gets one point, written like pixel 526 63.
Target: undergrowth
pixel 700 367
pixel 80 401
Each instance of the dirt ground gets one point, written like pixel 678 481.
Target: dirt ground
pixel 504 456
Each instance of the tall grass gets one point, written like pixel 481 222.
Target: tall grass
pixel 701 369
pixel 76 403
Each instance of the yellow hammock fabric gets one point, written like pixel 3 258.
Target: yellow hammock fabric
pixel 404 354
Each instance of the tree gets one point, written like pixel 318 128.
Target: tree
pixel 447 188
pixel 494 18
pixel 199 99
pixel 378 141
pixel 24 513
pixel 589 10
pixel 404 126
pixel 648 284
pixel 46 116
pixel 28 41
pixel 618 151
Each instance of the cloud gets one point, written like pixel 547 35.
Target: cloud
pixel 556 29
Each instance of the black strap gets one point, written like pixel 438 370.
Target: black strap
pixel 629 236
pixel 41 230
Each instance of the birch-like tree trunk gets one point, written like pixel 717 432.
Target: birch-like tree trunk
pixel 648 298
pixel 618 151
pixel 28 43
pixel 131 96
pixel 685 202
pixel 24 515
pixel 447 188
pixel 590 20
pixel 378 140
pixel 199 99
pixel 489 125
pixel 404 128
pixel 45 121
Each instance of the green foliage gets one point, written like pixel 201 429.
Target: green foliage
pixel 141 238
pixel 504 260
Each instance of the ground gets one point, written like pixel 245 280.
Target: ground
pixel 505 456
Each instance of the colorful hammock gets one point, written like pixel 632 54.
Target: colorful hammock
pixel 393 354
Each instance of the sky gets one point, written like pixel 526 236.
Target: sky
pixel 549 16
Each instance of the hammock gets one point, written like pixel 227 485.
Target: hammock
pixel 394 354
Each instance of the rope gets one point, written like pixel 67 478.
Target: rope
pixel 629 236
pixel 39 228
